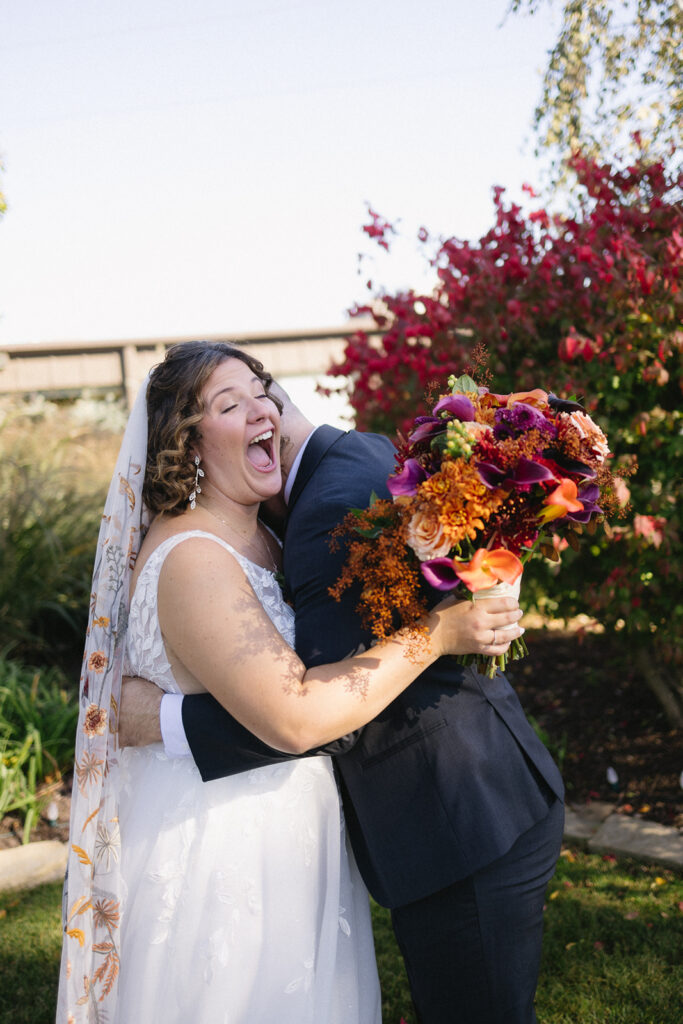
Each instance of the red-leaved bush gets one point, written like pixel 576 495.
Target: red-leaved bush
pixel 588 305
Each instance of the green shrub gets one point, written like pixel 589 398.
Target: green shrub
pixel 37 727
pixel 54 470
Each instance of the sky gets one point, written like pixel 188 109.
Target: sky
pixel 195 167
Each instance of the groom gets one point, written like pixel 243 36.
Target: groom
pixel 453 806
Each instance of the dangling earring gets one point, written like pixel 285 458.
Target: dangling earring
pixel 199 473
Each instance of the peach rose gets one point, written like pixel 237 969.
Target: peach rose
pixel 425 536
pixel 477 430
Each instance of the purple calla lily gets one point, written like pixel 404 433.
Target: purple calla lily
pixel 459 406
pixel 405 483
pixel 440 573
pixel 429 427
pixel 572 466
pixel 587 497
pixel 525 474
pixel 490 475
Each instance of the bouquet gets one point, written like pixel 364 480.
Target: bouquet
pixel 481 485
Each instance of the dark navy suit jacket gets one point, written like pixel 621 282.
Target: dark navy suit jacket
pixel 444 780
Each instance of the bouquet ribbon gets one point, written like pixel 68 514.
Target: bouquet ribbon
pixel 488 666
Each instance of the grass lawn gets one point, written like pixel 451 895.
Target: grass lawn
pixel 612 955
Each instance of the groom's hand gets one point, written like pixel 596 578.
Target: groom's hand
pixel 139 713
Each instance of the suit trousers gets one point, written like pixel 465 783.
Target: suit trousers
pixel 472 950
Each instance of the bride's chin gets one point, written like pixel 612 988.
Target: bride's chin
pixel 270 483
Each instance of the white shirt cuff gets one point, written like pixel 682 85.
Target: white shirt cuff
pixel 171 724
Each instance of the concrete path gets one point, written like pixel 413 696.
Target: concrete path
pixel 594 826
pixel 600 830
pixel 23 867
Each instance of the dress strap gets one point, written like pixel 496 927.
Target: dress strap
pixel 248 567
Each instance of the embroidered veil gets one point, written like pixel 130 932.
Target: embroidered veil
pixel 93 889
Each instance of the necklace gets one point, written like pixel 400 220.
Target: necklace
pixel 263 552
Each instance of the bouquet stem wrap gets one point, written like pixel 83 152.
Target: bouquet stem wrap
pixel 517 649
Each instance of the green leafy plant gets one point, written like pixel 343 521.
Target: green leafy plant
pixel 38 719
pixel 54 471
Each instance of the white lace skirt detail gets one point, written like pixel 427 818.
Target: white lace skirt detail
pixel 244 904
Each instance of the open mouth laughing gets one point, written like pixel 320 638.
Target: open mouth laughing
pixel 260 451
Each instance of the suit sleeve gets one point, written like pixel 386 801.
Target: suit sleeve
pixel 221 746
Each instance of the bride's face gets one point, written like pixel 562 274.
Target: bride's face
pixel 240 436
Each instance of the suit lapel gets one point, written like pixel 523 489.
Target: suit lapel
pixel 319 444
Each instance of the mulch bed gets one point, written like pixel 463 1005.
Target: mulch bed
pixel 584 693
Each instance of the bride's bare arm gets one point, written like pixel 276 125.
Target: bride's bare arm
pixel 216 628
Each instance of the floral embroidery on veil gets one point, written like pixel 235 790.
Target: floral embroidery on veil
pixel 91 909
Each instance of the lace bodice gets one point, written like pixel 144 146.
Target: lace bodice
pixel 145 651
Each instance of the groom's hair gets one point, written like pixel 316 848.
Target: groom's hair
pixel 174 411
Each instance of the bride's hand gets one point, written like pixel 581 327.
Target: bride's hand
pixel 469 627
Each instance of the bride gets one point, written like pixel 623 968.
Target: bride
pixel 236 900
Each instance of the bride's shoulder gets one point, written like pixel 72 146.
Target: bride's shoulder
pixel 164 537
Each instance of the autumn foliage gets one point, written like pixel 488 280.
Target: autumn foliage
pixel 587 304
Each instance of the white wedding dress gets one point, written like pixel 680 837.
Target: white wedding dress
pixel 243 904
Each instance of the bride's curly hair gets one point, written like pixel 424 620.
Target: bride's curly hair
pixel 174 410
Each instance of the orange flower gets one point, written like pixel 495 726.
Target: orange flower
pixel 562 500
pixel 97 661
pixel 537 398
pixel 95 721
pixel 102 621
pixel 487 568
pixel 460 499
